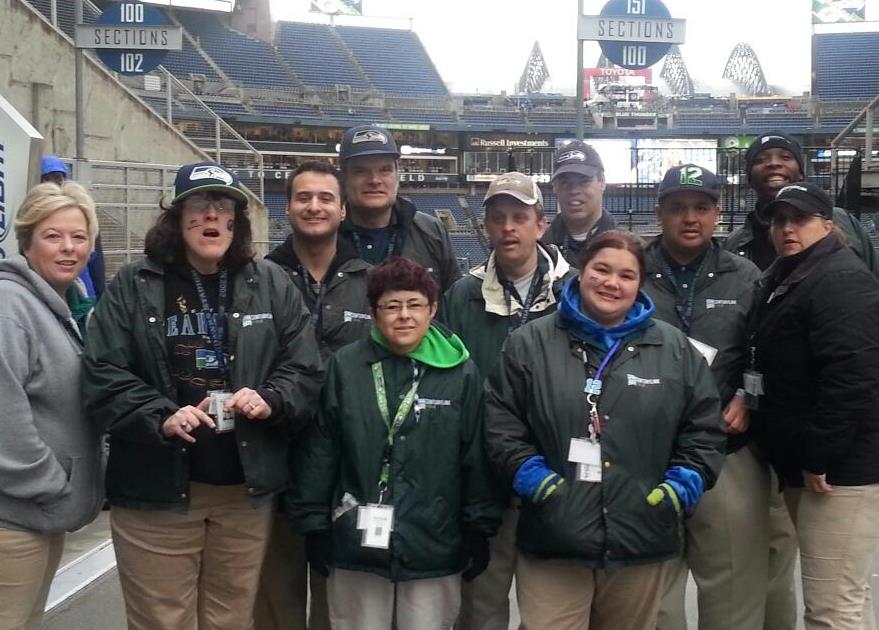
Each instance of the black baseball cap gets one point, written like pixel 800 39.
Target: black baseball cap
pixel 367 140
pixel 206 177
pixel 770 140
pixel 690 177
pixel 577 157
pixel 804 196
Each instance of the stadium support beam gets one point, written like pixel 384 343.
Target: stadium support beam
pixel 675 74
pixel 78 71
pixel 743 68
pixel 579 83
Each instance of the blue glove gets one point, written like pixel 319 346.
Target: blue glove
pixel 534 481
pixel 682 489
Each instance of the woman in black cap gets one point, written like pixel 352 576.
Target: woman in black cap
pixel 814 380
pixel 200 364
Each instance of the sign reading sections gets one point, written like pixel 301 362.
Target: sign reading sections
pixel 130 37
pixel 633 34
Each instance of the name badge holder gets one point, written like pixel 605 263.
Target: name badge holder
pixel 377 522
pixel 752 383
pixel 586 452
pixel 224 420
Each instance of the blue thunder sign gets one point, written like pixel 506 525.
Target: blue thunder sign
pixel 633 34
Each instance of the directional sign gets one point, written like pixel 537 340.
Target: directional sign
pixel 20 146
pixel 633 34
pixel 131 37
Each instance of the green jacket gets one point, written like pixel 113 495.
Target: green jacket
pixel 128 389
pixel 440 484
pixel 558 235
pixel 343 315
pixel 422 239
pixel 744 240
pixel 475 307
pixel 659 409
pixel 724 297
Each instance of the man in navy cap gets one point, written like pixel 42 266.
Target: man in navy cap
pixel 381 224
pixel 578 182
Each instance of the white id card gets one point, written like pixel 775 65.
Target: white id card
pixel 709 352
pixel 224 420
pixel 753 382
pixel 377 523
pixel 587 455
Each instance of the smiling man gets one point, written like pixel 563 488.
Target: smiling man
pixel 578 182
pixel 380 224
pixel 519 282
pixel 775 160
pixel 708 294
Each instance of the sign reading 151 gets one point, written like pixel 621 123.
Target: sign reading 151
pixel 131 37
pixel 633 34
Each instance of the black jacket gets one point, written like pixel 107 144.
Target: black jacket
pixel 558 235
pixel 421 238
pixel 816 341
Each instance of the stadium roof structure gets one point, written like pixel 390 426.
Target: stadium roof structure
pixel 743 68
pixel 675 73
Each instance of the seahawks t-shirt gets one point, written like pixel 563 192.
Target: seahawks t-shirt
pixel 195 371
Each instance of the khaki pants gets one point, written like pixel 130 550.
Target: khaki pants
pixel 197 570
pixel 727 549
pixel 485 602
pixel 837 532
pixel 365 601
pixel 282 599
pixel 781 595
pixel 28 562
pixel 559 595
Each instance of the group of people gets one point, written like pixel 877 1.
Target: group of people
pixel 349 434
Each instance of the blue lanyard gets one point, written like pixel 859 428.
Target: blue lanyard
pixel 593 390
pixel 215 322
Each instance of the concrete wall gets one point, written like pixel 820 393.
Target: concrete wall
pixel 36 76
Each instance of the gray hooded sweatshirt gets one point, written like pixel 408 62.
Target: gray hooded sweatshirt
pixel 50 455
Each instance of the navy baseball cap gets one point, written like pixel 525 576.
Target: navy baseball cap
pixel 367 140
pixel 53 164
pixel 805 196
pixel 690 177
pixel 206 177
pixel 577 157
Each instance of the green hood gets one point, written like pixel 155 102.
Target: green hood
pixel 436 349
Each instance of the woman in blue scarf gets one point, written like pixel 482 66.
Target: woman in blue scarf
pixel 607 424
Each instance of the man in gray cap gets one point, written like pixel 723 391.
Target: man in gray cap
pixel 578 182
pixel 519 282
pixel 381 224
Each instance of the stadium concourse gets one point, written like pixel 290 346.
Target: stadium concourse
pixel 255 96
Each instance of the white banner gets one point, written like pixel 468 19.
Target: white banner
pixel 20 146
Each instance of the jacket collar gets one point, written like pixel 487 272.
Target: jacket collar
pixel 558 231
pixel 402 214
pixel 346 257
pixel 491 291
pixel 788 271
pixel 715 261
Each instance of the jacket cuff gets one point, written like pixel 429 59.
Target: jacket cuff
pixel 815 466
pixel 273 399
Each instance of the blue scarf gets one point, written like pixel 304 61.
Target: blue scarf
pixel 585 328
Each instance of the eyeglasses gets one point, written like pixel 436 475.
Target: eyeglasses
pixel 395 308
pixel 199 202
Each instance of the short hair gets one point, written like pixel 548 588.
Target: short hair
pixel 400 274
pixel 616 239
pixel 313 166
pixel 538 207
pixel 163 243
pixel 44 200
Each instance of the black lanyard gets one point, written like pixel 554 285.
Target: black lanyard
pixel 533 290
pixel 684 308
pixel 313 298
pixel 358 244
pixel 216 322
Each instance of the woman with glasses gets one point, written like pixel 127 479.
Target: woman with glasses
pixel 201 365
pixel 607 424
pixel 392 489
pixel 814 377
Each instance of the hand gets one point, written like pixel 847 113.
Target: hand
pixel 817 483
pixel 477 556
pixel 249 404
pixel 319 552
pixel 186 419
pixel 736 416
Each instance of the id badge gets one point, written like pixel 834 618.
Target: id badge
pixel 753 386
pixel 587 455
pixel 377 522
pixel 225 420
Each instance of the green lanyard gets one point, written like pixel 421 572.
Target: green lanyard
pixel 378 377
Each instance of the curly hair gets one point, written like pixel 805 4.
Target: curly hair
pixel 164 244
pixel 400 274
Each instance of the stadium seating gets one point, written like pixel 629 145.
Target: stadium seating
pixel 65 13
pixel 428 202
pixel 467 247
pixel 394 60
pixel 781 119
pixel 317 55
pixel 707 121
pixel 287 110
pixel 494 118
pixel 847 65
pixel 183 63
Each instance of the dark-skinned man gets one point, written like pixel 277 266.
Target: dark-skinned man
pixel 380 223
pixel 520 281
pixel 708 294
